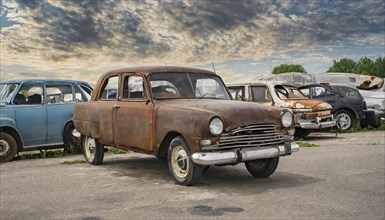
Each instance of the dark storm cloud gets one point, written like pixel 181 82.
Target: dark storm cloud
pixel 94 25
pixel 200 17
pixel 333 21
pixel 32 4
pixel 194 31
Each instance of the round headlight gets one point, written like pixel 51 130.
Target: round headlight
pixel 286 119
pixel 216 126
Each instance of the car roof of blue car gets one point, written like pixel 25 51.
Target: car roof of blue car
pixel 44 80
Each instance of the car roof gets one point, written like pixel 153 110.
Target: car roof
pixel 147 70
pixel 259 83
pixel 44 80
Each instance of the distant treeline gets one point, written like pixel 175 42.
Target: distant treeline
pixel 364 66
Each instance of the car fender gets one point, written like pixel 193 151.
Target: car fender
pixel 8 125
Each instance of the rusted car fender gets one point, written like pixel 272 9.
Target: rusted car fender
pixel 86 119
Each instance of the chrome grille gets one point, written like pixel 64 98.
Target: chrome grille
pixel 249 136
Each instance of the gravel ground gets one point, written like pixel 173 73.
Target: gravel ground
pixel 341 178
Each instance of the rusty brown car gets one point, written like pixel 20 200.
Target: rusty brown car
pixel 186 115
pixel 309 114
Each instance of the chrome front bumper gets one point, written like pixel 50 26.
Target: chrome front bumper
pixel 316 124
pixel 244 154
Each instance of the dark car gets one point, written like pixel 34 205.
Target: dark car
pixel 186 115
pixel 348 105
pixel 37 114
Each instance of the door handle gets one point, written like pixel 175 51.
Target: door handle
pixel 115 106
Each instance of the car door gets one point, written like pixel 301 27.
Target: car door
pixel 60 105
pixel 31 114
pixel 351 99
pixel 133 116
pixel 107 102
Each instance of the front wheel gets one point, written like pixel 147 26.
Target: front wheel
pixel 8 147
pixel 344 120
pixel 263 167
pixel 93 150
pixel 180 165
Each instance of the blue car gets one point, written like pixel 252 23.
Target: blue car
pixel 37 114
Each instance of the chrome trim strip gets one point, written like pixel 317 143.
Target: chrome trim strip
pixel 241 155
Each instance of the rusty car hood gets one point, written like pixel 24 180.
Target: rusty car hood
pixel 316 105
pixel 234 113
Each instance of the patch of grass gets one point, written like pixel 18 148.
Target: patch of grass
pixel 47 154
pixel 116 150
pixel 71 150
pixel 366 129
pixel 74 161
pixel 42 154
pixel 306 144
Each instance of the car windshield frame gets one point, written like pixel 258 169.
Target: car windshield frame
pixel 187 85
pixel 290 94
pixel 7 92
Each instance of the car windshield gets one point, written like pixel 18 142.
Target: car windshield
pixel 7 90
pixel 288 92
pixel 187 85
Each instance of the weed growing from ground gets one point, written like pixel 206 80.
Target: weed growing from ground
pixel 306 144
pixel 116 150
pixel 73 161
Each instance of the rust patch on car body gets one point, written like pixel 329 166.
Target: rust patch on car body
pixel 272 93
pixel 143 124
pixel 314 104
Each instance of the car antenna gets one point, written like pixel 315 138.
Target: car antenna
pixel 214 67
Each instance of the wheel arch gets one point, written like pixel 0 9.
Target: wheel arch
pixel 15 134
pixel 351 111
pixel 64 127
pixel 163 147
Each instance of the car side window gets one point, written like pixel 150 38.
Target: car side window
pixel 321 92
pixel 133 88
pixel 29 94
pixel 305 92
pixel 260 94
pixel 238 93
pixel 59 94
pixel 110 88
pixel 349 92
pixel 318 92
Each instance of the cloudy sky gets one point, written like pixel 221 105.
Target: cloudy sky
pixel 83 39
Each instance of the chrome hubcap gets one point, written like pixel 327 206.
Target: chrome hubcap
pixel 89 147
pixel 344 121
pixel 4 147
pixel 179 162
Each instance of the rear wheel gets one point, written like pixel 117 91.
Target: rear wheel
pixel 344 119
pixel 93 150
pixel 8 147
pixel 180 165
pixel 71 142
pixel 263 167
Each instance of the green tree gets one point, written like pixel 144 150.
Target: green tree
pixel 364 66
pixel 379 67
pixel 287 68
pixel 344 65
